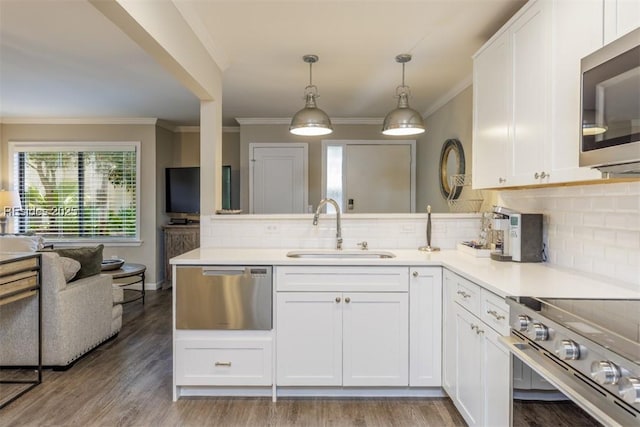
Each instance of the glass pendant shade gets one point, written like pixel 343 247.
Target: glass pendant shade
pixel 310 121
pixel 403 120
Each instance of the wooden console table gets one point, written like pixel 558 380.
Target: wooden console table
pixel 20 279
pixel 179 239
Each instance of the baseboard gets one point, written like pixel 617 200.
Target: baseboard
pixel 148 286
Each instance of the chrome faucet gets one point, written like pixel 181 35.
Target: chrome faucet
pixel 338 223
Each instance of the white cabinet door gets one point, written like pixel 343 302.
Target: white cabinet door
pixel 495 381
pixel 449 378
pixel 309 338
pixel 375 339
pixel 425 327
pixel 530 39
pixel 620 17
pixel 577 33
pixel 492 114
pixel 469 393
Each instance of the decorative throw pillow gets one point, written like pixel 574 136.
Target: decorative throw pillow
pixel 70 268
pixel 90 259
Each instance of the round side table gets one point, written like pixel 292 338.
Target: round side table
pixel 129 274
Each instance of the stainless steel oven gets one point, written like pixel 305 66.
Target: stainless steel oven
pixel 589 350
pixel 611 107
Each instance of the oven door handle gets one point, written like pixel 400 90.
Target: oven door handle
pixel 605 410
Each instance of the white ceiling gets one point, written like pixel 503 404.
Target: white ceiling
pixel 65 59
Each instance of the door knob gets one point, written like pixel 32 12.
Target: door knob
pixel 338 299
pixel 415 274
pixel 347 300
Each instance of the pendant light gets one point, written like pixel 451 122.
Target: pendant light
pixel 403 120
pixel 310 121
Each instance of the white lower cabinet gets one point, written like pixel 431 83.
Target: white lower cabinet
pixel 209 358
pixel 342 339
pixel 309 338
pixel 425 327
pixel 351 338
pixel 476 366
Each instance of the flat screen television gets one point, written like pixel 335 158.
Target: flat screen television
pixel 183 190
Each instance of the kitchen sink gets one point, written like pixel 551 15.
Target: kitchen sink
pixel 334 253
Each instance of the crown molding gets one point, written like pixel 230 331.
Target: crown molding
pixel 455 91
pixel 79 120
pixel 287 120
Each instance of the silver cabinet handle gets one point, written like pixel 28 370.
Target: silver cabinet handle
pixel 464 294
pixel 542 175
pixel 223 364
pixel 347 300
pixel 338 299
pixel 495 314
pixel 502 180
pixel 415 274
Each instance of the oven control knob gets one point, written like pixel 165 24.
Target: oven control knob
pixel 605 372
pixel 540 332
pixel 629 389
pixel 523 322
pixel 568 350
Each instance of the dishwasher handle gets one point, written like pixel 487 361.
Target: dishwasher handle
pixel 223 271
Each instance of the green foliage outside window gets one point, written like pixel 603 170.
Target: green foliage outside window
pixel 79 194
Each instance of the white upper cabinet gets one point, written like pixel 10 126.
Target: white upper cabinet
pixel 531 107
pixel 620 17
pixel 534 63
pixel 492 113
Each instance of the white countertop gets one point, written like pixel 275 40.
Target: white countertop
pixel 502 278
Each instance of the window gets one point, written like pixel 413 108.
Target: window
pixel 77 192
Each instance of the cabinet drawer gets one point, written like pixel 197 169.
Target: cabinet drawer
pixel 342 279
pixel 17 266
pixel 223 362
pixel 495 312
pixel 467 294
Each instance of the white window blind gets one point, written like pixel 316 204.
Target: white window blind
pixel 71 191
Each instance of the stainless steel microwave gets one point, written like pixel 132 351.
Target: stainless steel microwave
pixel 610 118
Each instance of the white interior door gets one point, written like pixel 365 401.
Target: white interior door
pixel 278 178
pixel 378 178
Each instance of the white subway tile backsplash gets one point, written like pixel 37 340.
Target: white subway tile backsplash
pixel 591 228
pixel 628 239
pixel 627 203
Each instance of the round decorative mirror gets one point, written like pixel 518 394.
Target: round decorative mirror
pixel 451 163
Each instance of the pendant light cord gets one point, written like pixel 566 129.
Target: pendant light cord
pixel 310 73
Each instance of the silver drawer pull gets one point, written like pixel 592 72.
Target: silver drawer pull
pixel 464 294
pixel 495 314
pixel 223 363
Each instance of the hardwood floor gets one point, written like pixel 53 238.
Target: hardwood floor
pixel 127 382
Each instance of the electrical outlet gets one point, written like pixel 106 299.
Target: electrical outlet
pixel 271 228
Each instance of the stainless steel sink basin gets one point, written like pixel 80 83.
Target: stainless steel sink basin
pixel 334 253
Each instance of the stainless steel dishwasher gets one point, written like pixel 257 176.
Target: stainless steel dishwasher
pixel 224 297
